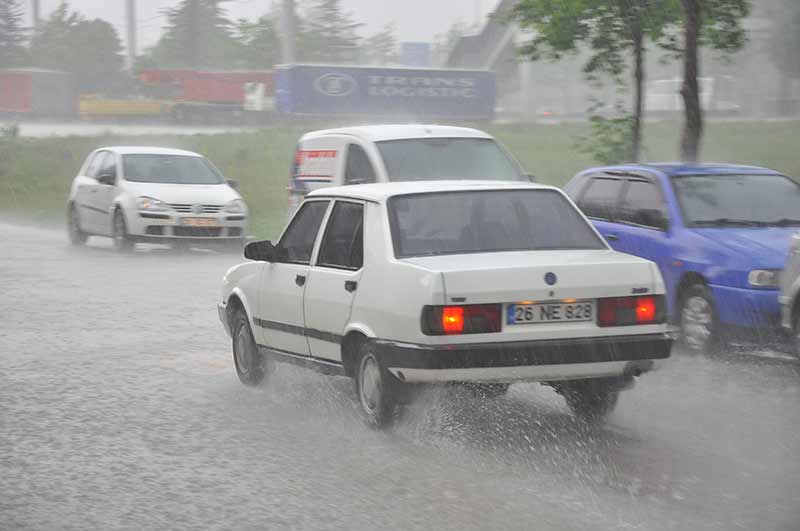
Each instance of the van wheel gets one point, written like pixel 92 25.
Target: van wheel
pixel 76 234
pixel 375 389
pixel 698 320
pixel 249 362
pixel 589 400
pixel 122 240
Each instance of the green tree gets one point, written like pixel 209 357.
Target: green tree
pixel 381 48
pixel 714 23
pixel 259 42
pixel 328 33
pixel 197 35
pixel 91 49
pixel 610 28
pixel 13 36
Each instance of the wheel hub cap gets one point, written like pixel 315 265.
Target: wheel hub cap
pixel 370 383
pixel 243 357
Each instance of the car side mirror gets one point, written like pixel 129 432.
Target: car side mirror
pixel 531 177
pixel 233 183
pixel 106 178
pixel 261 251
pixel 653 218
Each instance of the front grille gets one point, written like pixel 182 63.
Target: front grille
pixel 234 231
pixel 197 232
pixel 154 230
pixel 187 208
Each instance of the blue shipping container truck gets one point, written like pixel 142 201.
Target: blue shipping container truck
pixel 388 92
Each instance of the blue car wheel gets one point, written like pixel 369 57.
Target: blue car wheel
pixel 698 320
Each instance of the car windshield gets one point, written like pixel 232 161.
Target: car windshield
pixel 487 221
pixel 170 169
pixel 738 200
pixel 429 159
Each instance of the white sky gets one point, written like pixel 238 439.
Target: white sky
pixel 416 20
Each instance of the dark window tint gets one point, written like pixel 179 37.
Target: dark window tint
pixel 642 204
pixel 343 245
pixel 430 159
pixel 359 168
pixel 737 200
pixel 600 198
pixel 487 221
pixel 297 242
pixel 170 169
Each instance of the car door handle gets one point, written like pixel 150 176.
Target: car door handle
pixel 300 280
pixel 350 285
pixel 611 237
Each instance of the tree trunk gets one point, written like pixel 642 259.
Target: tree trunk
pixel 638 113
pixel 693 125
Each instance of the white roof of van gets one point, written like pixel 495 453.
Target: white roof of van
pixel 378 133
pixel 379 192
pixel 149 150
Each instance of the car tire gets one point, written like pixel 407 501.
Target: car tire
pixel 699 329
pixel 489 390
pixel 76 234
pixel 590 400
pixel 249 362
pixel 122 240
pixel 375 389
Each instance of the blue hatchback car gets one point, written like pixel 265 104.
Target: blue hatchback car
pixel 719 233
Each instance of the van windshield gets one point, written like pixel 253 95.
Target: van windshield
pixel 431 159
pixel 169 169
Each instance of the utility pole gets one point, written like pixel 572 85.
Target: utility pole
pixel 288 32
pixel 36 14
pixel 130 19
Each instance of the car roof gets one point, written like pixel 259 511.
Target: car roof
pixel 378 133
pixel 380 192
pixel 149 150
pixel 676 169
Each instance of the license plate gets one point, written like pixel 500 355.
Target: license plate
pixel 199 222
pixel 550 312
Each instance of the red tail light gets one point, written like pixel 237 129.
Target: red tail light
pixel 626 311
pixel 467 319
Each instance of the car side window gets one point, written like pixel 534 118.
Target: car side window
pixel 93 170
pixel 297 242
pixel 343 243
pixel 358 168
pixel 643 204
pixel 108 166
pixel 599 199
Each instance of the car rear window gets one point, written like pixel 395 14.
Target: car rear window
pixel 430 159
pixel 487 221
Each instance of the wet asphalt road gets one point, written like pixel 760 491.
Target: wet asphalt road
pixel 120 409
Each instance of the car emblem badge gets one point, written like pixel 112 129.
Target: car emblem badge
pixel 197 209
pixel 550 278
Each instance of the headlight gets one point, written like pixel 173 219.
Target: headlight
pixel 236 206
pixel 150 204
pixel 764 278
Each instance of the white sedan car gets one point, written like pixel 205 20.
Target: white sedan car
pixel 481 283
pixel 157 195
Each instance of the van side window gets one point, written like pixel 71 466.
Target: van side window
pixel 359 169
pixel 600 198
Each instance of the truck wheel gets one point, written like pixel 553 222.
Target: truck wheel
pixel 122 241
pixel 249 362
pixel 375 389
pixel 590 401
pixel 698 320
pixel 76 234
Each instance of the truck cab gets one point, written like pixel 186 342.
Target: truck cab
pixel 393 153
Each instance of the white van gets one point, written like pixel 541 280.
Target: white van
pixel 390 153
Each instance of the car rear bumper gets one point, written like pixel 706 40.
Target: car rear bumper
pixel 752 308
pixel 546 360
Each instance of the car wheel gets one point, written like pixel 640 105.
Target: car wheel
pixel 492 390
pixel 589 400
pixel 76 234
pixel 249 362
pixel 375 389
pixel 698 320
pixel 122 241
